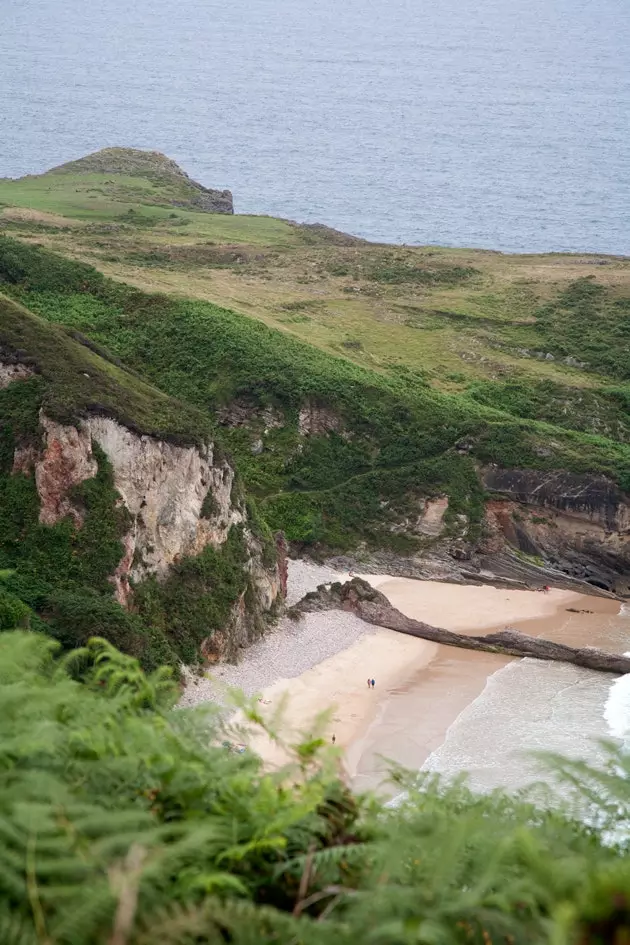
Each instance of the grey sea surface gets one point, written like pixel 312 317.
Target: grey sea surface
pixel 492 123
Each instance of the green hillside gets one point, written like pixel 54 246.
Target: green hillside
pixel 110 183
pixel 396 440
pixel 349 382
pixel 455 316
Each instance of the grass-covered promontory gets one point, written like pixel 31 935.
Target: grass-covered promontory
pixel 125 822
pixel 395 440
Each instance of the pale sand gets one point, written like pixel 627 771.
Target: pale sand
pixel 324 662
pixel 415 718
pixel 337 687
pixel 469 608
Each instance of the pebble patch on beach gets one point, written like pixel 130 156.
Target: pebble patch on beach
pixel 288 650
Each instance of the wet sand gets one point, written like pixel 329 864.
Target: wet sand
pixel 414 720
pixel 333 698
pixel 422 688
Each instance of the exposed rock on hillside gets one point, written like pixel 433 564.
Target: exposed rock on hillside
pixel 13 372
pixel 595 498
pixel 177 501
pixel 244 413
pixel 316 419
pixel 67 460
pixel 578 524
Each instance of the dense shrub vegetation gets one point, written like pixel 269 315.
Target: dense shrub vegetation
pixel 585 320
pixel 127 823
pixel 399 440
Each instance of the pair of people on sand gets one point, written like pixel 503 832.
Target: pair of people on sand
pixel 371 684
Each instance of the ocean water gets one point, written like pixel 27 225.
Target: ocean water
pixel 531 706
pixel 493 123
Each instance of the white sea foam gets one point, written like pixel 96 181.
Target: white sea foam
pixel 617 708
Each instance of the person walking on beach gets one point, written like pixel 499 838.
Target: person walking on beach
pixel 373 684
pixel 334 739
pixel 369 683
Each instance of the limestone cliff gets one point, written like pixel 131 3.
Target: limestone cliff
pixel 178 500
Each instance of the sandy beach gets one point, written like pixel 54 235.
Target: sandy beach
pixel 321 664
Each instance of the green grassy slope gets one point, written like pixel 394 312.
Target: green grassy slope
pixel 79 380
pixel 462 321
pixel 114 178
pixel 400 439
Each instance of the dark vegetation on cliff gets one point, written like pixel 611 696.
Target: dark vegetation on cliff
pixel 124 823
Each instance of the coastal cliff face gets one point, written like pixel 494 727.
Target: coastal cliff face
pixel 178 499
pixel 175 502
pixel 577 524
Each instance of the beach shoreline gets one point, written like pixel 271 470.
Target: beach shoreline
pixel 321 664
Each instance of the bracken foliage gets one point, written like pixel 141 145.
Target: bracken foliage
pixel 127 822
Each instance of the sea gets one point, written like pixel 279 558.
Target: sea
pixel 502 124
pixel 530 710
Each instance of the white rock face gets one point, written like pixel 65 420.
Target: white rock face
pixel 162 486
pixel 13 372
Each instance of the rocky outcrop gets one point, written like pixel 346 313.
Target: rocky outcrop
pixel 360 598
pixel 179 500
pixel 317 420
pixel 578 525
pixel 595 499
pixel 10 372
pixel 67 460
pixel 282 557
pixel 243 413
pixel 265 589
pixel 431 521
pixel 164 488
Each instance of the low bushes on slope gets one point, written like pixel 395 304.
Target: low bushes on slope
pixel 80 381
pixel 123 821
